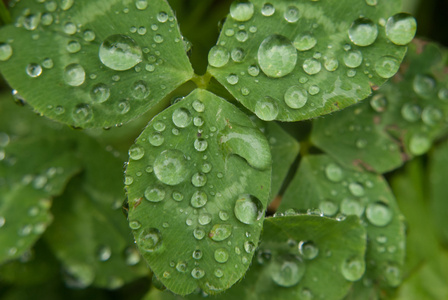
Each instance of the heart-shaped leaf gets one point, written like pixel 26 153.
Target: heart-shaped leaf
pixel 295 60
pixel 93 63
pixel 401 120
pixel 322 184
pixel 198 176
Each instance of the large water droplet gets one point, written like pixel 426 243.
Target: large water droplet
pixel 277 57
pixel 352 269
pixel 199 199
pixel 334 172
pixel 363 32
pixel 242 10
pixel 296 97
pixel 387 66
pixel 120 52
pixel 288 272
pixel 266 109
pixel 308 249
pixel 155 194
pixel 221 255
pixel 220 232
pixel 100 93
pixel 379 214
pixel 401 28
pixel 181 117
pixel 149 239
pixel 136 152
pixel 5 51
pixel 248 209
pixel 170 167
pixel 74 75
pixel 247 142
pixel 218 56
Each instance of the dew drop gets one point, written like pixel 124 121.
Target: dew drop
pixel 156 139
pixel 89 35
pixel 204 218
pixel 401 28
pixel 197 273
pixel 219 273
pixel 221 255
pixel 181 117
pixel 331 64
pixel 223 215
pixel 411 112
pixel 351 207
pixel 304 41
pixel 266 109
pixel 334 172
pixel 199 199
pixel 249 247
pixel 308 249
pixel 419 144
pixel 253 70
pixel 379 214
pixel 393 275
pixel 312 66
pixel 198 234
pixel 150 239
pixel 277 57
pixel 5 51
pixel 353 58
pixel 220 232
pixel 141 4
pixel 74 75
pixel 170 167
pixel 99 93
pixel 120 52
pixel 135 225
pixel 267 10
pixel 33 70
pixel 198 106
pixel 296 97
pixel 66 4
pixel 199 179
pixel 237 55
pixel 378 103
pixel 82 113
pixel 73 47
pixel 248 209
pixel 291 14
pixel 328 208
pixel 387 66
pixel 197 254
pixel 356 189
pixel 242 10
pixel 432 115
pixel 363 32
pixel 162 17
pixel 287 273
pixel 154 194
pixel 132 256
pixel 70 28
pixel 424 84
pixel 352 269
pixel 47 63
pixel 136 152
pixel 104 253
pixel 200 145
pixel 159 126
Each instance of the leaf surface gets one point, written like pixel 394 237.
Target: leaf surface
pixel 93 63
pixel 198 176
pixel 296 60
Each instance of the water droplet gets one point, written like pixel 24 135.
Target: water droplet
pixel 363 32
pixel 361 143
pixel 141 4
pixel 158 39
pixel 204 218
pixel 248 209
pixel 100 93
pixel 73 47
pixel 287 273
pixel 296 97
pixel 249 247
pixel 82 113
pixel 352 269
pixel 411 112
pixel 181 117
pixel 132 257
pixel 387 66
pixel 232 79
pixel 221 255
pixel 74 75
pixel 197 254
pixel 353 59
pixel 312 66
pixel 135 225
pixel 47 19
pixel 200 145
pixel 120 52
pixel 66 4
pixel 308 249
pixel 378 103
pixel 5 51
pixel 181 267
pixel 219 273
pixel 150 239
pixel 140 90
pixel 253 70
pixel 154 194
pixel 223 215
pixel 328 208
pixel 199 179
pixel 304 41
pixel 89 35
pixel 156 139
pixel 136 152
pixel 372 2
pixel 199 199
pixel 291 14
pixel 356 189
pixel 220 232
pixel 379 214
pixel 206 168
pixel 162 17
pixel 351 207
pixel 431 115
pixel 331 64
pixel 334 172
pixel 197 273
pixel 30 22
pixel 267 10
pixel 104 253
pixel 266 109
pixel 401 28
pixel 199 233
pixel 237 55
pixel 242 10
pixel 419 144
pixel 393 275
pixel 277 57
pixel 198 106
pixel 70 28
pixel 424 84
pixel 170 167
pixel 242 36
pixel 33 70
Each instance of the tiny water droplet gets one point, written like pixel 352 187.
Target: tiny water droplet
pixel 197 273
pixel 351 207
pixel 334 172
pixel 156 139
pixel 378 103
pixel 356 189
pixel 328 208
pixel 141 4
pixel 197 254
pixel 82 113
pixel 304 41
pixel 140 90
pixel 200 145
pixel 312 66
pixel 104 253
pixel 291 14
pixel 249 247
pixel 419 144
pixel 267 10
pixel 199 199
pixel 411 112
pixel 135 225
pixel 308 249
pixel 424 84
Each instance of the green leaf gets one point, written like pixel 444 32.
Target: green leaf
pixel 88 237
pixel 300 257
pixel 93 63
pixel 198 176
pixel 439 203
pixel 321 183
pixel 297 60
pixel 401 120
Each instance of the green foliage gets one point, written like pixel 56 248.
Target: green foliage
pixel 221 201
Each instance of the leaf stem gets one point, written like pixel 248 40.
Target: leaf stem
pixel 202 81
